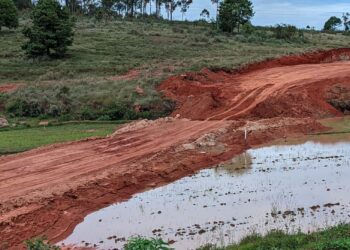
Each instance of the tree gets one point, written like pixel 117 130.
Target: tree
pixel 217 2
pixel 332 24
pixel 51 32
pixel 234 13
pixel 170 6
pixel 158 5
pixel 8 14
pixel 346 21
pixel 23 4
pixel 184 4
pixel 205 14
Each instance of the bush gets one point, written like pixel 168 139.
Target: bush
pixel 39 244
pixel 51 32
pixel 342 244
pixel 20 107
pixel 8 14
pixel 248 28
pixel 286 31
pixel 140 243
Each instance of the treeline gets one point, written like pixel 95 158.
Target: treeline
pixel 126 8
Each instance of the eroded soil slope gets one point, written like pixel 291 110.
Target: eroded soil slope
pixel 293 86
pixel 48 191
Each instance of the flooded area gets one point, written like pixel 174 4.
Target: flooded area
pixel 288 187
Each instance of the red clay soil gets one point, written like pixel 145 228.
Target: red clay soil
pixel 292 86
pixel 8 87
pixel 48 191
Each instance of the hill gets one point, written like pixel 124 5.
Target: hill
pixel 113 67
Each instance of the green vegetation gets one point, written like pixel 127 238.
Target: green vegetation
pixel 287 32
pixel 87 84
pixel 8 14
pixel 140 243
pixel 51 31
pixel 13 140
pixel 39 244
pixel 338 125
pixel 234 13
pixel 336 238
pixel 332 24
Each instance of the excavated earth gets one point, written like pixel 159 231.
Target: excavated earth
pixel 48 191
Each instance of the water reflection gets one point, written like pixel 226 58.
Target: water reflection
pixel 237 166
pixel 301 187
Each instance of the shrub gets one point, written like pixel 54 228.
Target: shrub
pixel 140 243
pixel 39 244
pixel 51 32
pixel 286 31
pixel 342 244
pixel 248 28
pixel 20 107
pixel 8 14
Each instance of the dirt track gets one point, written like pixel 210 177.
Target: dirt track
pixel 48 191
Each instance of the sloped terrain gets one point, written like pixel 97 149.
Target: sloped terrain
pixel 49 190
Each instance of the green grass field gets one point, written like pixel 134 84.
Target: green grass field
pixel 336 238
pixel 105 50
pixel 338 125
pixel 18 140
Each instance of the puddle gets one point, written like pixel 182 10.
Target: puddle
pixel 302 187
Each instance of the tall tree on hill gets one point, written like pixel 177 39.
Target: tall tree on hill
pixel 332 23
pixel 51 31
pixel 234 13
pixel 158 5
pixel 184 4
pixel 8 14
pixel 170 6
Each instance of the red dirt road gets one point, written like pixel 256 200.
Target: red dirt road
pixel 48 191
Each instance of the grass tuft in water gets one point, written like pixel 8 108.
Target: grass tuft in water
pixel 140 243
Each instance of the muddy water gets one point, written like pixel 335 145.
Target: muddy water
pixel 304 187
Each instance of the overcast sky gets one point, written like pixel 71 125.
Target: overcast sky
pixel 271 12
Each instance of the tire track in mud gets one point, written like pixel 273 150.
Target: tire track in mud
pixel 49 190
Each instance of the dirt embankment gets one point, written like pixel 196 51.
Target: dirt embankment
pixel 291 86
pixel 48 191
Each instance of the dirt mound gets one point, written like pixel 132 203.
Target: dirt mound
pixel 291 86
pixel 141 124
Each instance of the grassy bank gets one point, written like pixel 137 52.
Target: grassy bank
pixel 336 238
pixel 89 76
pixel 22 139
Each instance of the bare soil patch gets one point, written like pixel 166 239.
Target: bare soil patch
pixel 8 87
